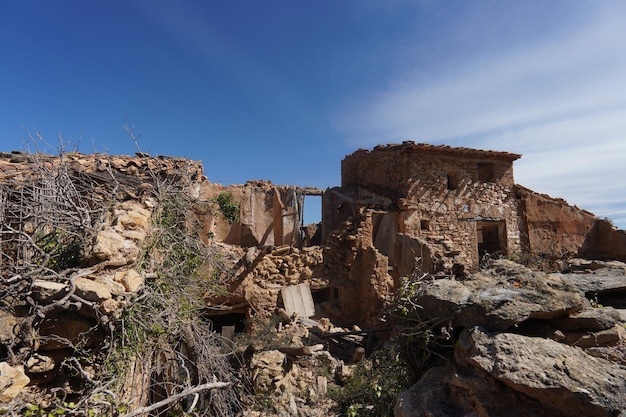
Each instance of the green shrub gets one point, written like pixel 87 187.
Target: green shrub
pixel 228 207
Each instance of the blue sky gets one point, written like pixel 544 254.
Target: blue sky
pixel 283 90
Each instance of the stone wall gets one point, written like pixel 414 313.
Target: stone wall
pixel 605 242
pixel 269 215
pixel 550 226
pixel 440 196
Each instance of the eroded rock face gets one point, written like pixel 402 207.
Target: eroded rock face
pixel 556 375
pixel 500 298
pixel 448 391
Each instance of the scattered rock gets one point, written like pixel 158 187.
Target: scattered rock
pixel 448 391
pixel 267 370
pixel 131 280
pixel 48 290
pixel 92 290
pixel 589 319
pixel 12 381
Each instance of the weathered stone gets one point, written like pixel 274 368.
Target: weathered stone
pixel 115 287
pixel 599 281
pixel 91 290
pixel 134 217
pixel 589 319
pixel 109 306
pixel 48 290
pixel 131 280
pixel 607 337
pixel 498 299
pixel 12 382
pixel 556 375
pixel 7 326
pixel 39 363
pixel 112 246
pixel 448 391
pixel 267 370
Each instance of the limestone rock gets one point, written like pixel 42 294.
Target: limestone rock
pixel 109 306
pixel 110 245
pixel 48 290
pixel 589 319
pixel 498 299
pixel 556 375
pixel 267 370
pixel 448 391
pixel 109 281
pixel 12 381
pixel 131 280
pixel 92 290
pixel 609 279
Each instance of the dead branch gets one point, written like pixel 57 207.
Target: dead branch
pixel 176 397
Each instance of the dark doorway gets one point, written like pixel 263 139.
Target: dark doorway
pixel 490 237
pixel 231 319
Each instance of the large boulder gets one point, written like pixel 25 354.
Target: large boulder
pixel 448 391
pixel 499 298
pixel 555 375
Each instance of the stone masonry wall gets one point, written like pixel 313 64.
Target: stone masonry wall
pixel 552 227
pixel 441 195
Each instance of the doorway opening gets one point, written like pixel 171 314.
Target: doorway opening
pixel 238 320
pixel 491 236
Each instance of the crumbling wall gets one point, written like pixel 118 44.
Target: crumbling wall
pixel 268 214
pixel 551 227
pixel 605 242
pixel 359 272
pixel 434 194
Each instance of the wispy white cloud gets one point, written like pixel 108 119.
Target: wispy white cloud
pixel 561 101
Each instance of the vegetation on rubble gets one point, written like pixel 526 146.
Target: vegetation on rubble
pixel 161 335
pixel 423 343
pixel 156 352
pixel 417 345
pixel 374 386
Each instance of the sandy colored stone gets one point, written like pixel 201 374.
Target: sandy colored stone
pixel 115 287
pixel 556 375
pixel 91 290
pixel 12 382
pixel 267 369
pixel 131 280
pixel 39 363
pixel 109 306
pixel 48 290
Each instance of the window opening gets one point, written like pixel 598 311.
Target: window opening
pixel 486 172
pixel 454 180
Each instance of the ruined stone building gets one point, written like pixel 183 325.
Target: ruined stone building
pixel 448 207
pixel 401 210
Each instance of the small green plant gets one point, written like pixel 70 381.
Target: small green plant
pixel 375 384
pixel 228 207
